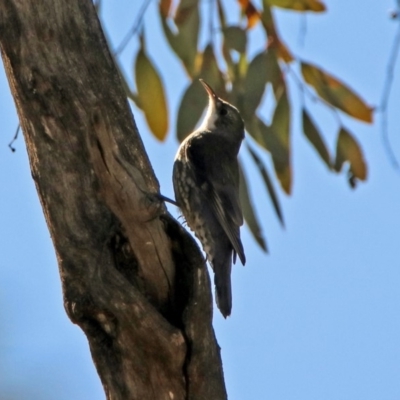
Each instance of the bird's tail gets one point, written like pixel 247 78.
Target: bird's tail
pixel 222 280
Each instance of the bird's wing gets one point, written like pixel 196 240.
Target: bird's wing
pixel 219 203
pixel 217 174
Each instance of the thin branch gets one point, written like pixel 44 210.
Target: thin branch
pixel 385 99
pixel 210 20
pixel 134 29
pixel 10 145
pixel 302 30
pixel 306 92
pixel 168 200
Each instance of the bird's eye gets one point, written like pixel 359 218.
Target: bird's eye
pixel 223 112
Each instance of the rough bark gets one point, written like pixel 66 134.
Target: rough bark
pixel 133 279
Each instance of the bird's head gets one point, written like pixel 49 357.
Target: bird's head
pixel 222 116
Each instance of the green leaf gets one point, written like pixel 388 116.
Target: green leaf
pixel 347 149
pixel 279 151
pixel 274 73
pixel 254 84
pixel 263 69
pixel 151 95
pixel 235 38
pixel 299 5
pixel 190 110
pixel 278 141
pixel 268 183
pixel 275 138
pixel 313 135
pixel 248 212
pixel 253 127
pixel 184 41
pixel 194 99
pixel 336 93
pixel 210 71
pixel 184 10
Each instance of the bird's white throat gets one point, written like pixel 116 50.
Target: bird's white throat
pixel 209 119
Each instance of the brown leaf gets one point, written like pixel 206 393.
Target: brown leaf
pixel 151 95
pixel 299 5
pixel 313 135
pixel 283 52
pixel 336 93
pixel 165 7
pixel 347 149
pixel 252 14
pixel 274 73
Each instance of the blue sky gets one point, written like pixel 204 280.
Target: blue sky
pixel 317 318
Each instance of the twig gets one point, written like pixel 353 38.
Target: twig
pixel 385 99
pixel 134 29
pixel 305 90
pixel 302 30
pixel 167 199
pixel 210 20
pixel 10 145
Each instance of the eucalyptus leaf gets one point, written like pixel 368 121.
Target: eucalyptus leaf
pixel 348 150
pixel 211 72
pixel 268 183
pixel 278 141
pixel 191 109
pixel 249 213
pixel 254 84
pixel 235 38
pixel 312 134
pixel 299 5
pixel 151 95
pixel 336 93
pixel 184 41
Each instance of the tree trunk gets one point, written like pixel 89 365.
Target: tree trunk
pixel 133 279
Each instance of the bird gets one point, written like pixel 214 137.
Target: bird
pixel 206 185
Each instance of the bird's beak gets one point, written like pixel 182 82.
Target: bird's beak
pixel 211 93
